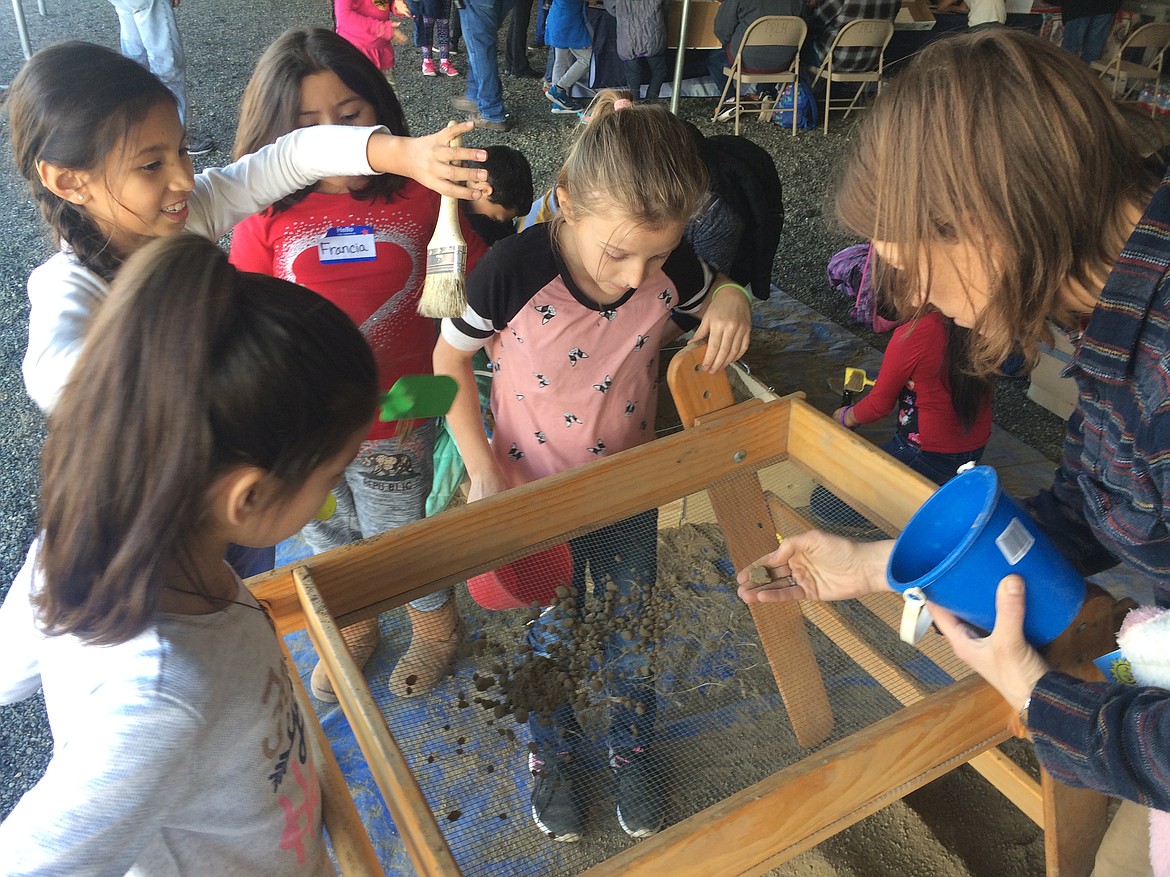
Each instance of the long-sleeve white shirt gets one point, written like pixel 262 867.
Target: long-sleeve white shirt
pixel 64 295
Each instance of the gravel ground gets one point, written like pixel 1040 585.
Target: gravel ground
pixel 223 41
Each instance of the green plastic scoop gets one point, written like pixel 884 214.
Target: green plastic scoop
pixel 418 396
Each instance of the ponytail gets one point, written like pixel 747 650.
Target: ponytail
pixel 192 368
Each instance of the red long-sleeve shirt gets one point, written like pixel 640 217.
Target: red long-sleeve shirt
pixel 912 379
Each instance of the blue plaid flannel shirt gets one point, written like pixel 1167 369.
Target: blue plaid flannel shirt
pixel 1110 501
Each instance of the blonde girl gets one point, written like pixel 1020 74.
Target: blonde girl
pixel 572 314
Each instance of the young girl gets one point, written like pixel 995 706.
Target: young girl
pixel 313 77
pixel 944 412
pixel 369 25
pixel 208 407
pixel 436 33
pixel 99 141
pixel 572 313
pixel 1073 229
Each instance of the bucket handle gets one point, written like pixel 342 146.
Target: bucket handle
pixel 915 616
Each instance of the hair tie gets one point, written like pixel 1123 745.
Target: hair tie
pixel 622 103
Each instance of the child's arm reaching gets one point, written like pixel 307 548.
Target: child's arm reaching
pixel 726 324
pixel 465 422
pixel 225 196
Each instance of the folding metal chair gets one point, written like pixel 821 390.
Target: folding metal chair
pixel 1154 36
pixel 861 32
pixel 768 30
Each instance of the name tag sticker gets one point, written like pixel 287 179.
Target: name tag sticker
pixel 348 243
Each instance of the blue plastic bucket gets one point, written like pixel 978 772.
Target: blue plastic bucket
pixel 967 537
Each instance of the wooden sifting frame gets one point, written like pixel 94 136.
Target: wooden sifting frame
pixel 720 451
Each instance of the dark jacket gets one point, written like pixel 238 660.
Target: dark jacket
pixel 744 175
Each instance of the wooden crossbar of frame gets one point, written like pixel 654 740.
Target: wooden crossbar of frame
pixel 793 810
pixel 439 552
pixel 416 824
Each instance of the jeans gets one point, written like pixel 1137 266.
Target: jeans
pixel 250 561
pixel 938 467
pixel 416 15
pixel 634 68
pixel 717 59
pixel 481 27
pixel 1086 36
pixel 828 510
pixel 150 36
pixel 386 486
pixel 516 48
pixel 627 553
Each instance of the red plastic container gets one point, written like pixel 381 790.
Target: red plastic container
pixel 531 579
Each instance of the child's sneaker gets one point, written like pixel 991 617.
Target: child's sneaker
pixel 561 102
pixel 556 809
pixel 446 69
pixel 428 67
pixel 641 804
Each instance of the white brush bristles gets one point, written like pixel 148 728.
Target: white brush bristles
pixel 443 295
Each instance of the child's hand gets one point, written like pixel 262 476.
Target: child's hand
pixel 844 416
pixel 727 326
pixel 485 484
pixel 430 160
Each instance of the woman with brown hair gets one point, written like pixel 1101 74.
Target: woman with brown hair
pixel 1003 187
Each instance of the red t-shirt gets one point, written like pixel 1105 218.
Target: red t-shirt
pixel 912 379
pixel 379 294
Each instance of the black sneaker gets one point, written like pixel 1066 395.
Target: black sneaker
pixel 641 805
pixel 197 145
pixel 556 808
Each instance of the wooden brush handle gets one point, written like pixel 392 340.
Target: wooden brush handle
pixel 458 141
pixel 447 230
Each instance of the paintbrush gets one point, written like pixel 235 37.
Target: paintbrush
pixel 443 293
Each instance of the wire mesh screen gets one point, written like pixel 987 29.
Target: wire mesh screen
pixel 640 684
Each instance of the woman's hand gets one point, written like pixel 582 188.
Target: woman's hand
pixel 430 160
pixel 818 566
pixel 727 326
pixel 1004 658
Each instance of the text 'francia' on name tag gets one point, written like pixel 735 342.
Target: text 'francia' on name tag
pixel 349 243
